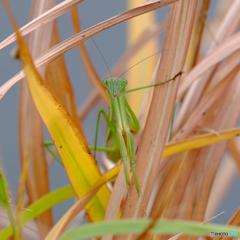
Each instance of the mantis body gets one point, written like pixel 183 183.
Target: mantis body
pixel 121 122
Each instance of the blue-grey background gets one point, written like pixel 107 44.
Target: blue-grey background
pixel 112 43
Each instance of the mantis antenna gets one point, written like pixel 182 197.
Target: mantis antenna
pixel 99 52
pixel 106 61
pixel 141 61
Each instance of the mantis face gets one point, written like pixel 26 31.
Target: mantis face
pixel 115 85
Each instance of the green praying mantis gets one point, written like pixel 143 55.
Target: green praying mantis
pixel 122 122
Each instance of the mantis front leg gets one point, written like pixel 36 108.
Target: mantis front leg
pixel 110 126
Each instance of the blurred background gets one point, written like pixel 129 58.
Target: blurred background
pixel 112 43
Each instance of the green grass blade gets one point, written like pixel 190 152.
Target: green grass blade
pixel 137 226
pixel 40 206
pixel 5 201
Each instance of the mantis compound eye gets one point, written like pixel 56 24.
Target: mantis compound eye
pixel 105 82
pixel 124 82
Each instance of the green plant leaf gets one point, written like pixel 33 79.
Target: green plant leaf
pixel 192 228
pixel 40 206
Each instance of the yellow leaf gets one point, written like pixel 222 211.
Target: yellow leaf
pixel 200 141
pixel 78 161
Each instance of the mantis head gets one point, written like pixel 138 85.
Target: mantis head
pixel 115 85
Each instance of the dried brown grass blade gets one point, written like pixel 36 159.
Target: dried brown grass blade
pixel 221 52
pixel 177 38
pixel 66 45
pixel 234 152
pixel 205 104
pixel 96 80
pixel 57 78
pixel 23 136
pixel 227 66
pixel 38 43
pixel 200 28
pixel 24 123
pixel 235 219
pixel 192 98
pixel 39 21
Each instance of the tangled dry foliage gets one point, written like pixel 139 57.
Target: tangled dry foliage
pixel 205 100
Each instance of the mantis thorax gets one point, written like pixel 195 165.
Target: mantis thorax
pixel 115 85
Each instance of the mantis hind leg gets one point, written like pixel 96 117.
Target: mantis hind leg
pixel 131 155
pixel 123 153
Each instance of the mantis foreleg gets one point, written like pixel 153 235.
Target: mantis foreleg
pixel 110 125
